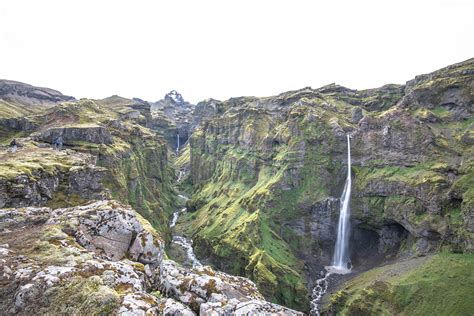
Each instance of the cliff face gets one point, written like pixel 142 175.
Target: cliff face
pixel 127 158
pixel 268 173
pixel 41 176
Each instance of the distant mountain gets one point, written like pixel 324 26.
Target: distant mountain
pixel 17 98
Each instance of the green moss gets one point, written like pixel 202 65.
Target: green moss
pixel 61 199
pixel 441 285
pixel 87 295
pixel 138 175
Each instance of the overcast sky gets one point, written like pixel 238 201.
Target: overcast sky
pixel 222 48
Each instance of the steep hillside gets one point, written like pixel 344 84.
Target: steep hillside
pixel 267 174
pixel 440 285
pixel 114 132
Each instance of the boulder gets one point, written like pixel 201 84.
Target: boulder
pixel 211 292
pixel 72 260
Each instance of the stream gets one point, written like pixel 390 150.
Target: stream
pixel 184 243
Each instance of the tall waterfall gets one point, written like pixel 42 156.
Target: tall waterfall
pixel 341 256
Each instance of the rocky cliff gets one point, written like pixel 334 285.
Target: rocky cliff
pixel 268 172
pixel 130 159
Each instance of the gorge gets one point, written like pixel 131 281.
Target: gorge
pixel 326 201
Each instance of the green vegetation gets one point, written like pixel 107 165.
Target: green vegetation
pixel 34 162
pixel 439 285
pixel 88 295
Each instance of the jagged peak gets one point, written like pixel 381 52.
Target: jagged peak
pixel 175 97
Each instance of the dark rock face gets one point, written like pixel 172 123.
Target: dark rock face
pixel 88 133
pixel 51 176
pixel 18 124
pixel 28 94
pixel 86 181
pixel 205 110
pixel 24 192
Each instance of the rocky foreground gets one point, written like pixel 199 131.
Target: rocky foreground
pixel 104 258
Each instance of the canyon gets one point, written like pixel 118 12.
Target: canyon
pixel 233 207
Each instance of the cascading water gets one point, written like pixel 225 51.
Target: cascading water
pixel 341 257
pixel 177 143
pixel 186 244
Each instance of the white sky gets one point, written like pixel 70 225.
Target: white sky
pixel 228 48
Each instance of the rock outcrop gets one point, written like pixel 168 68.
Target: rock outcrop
pixel 35 176
pixel 215 293
pixel 73 259
pixel 86 133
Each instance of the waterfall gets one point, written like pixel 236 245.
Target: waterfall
pixel 177 143
pixel 341 256
pixel 340 263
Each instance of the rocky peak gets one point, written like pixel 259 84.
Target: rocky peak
pixel 175 97
pixel 172 116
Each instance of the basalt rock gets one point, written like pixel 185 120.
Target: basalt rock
pixel 33 176
pixel 87 133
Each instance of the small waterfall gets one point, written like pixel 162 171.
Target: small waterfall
pixel 177 143
pixel 317 294
pixel 186 244
pixel 175 217
pixel 188 247
pixel 341 256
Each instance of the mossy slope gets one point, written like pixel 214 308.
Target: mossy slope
pixel 439 285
